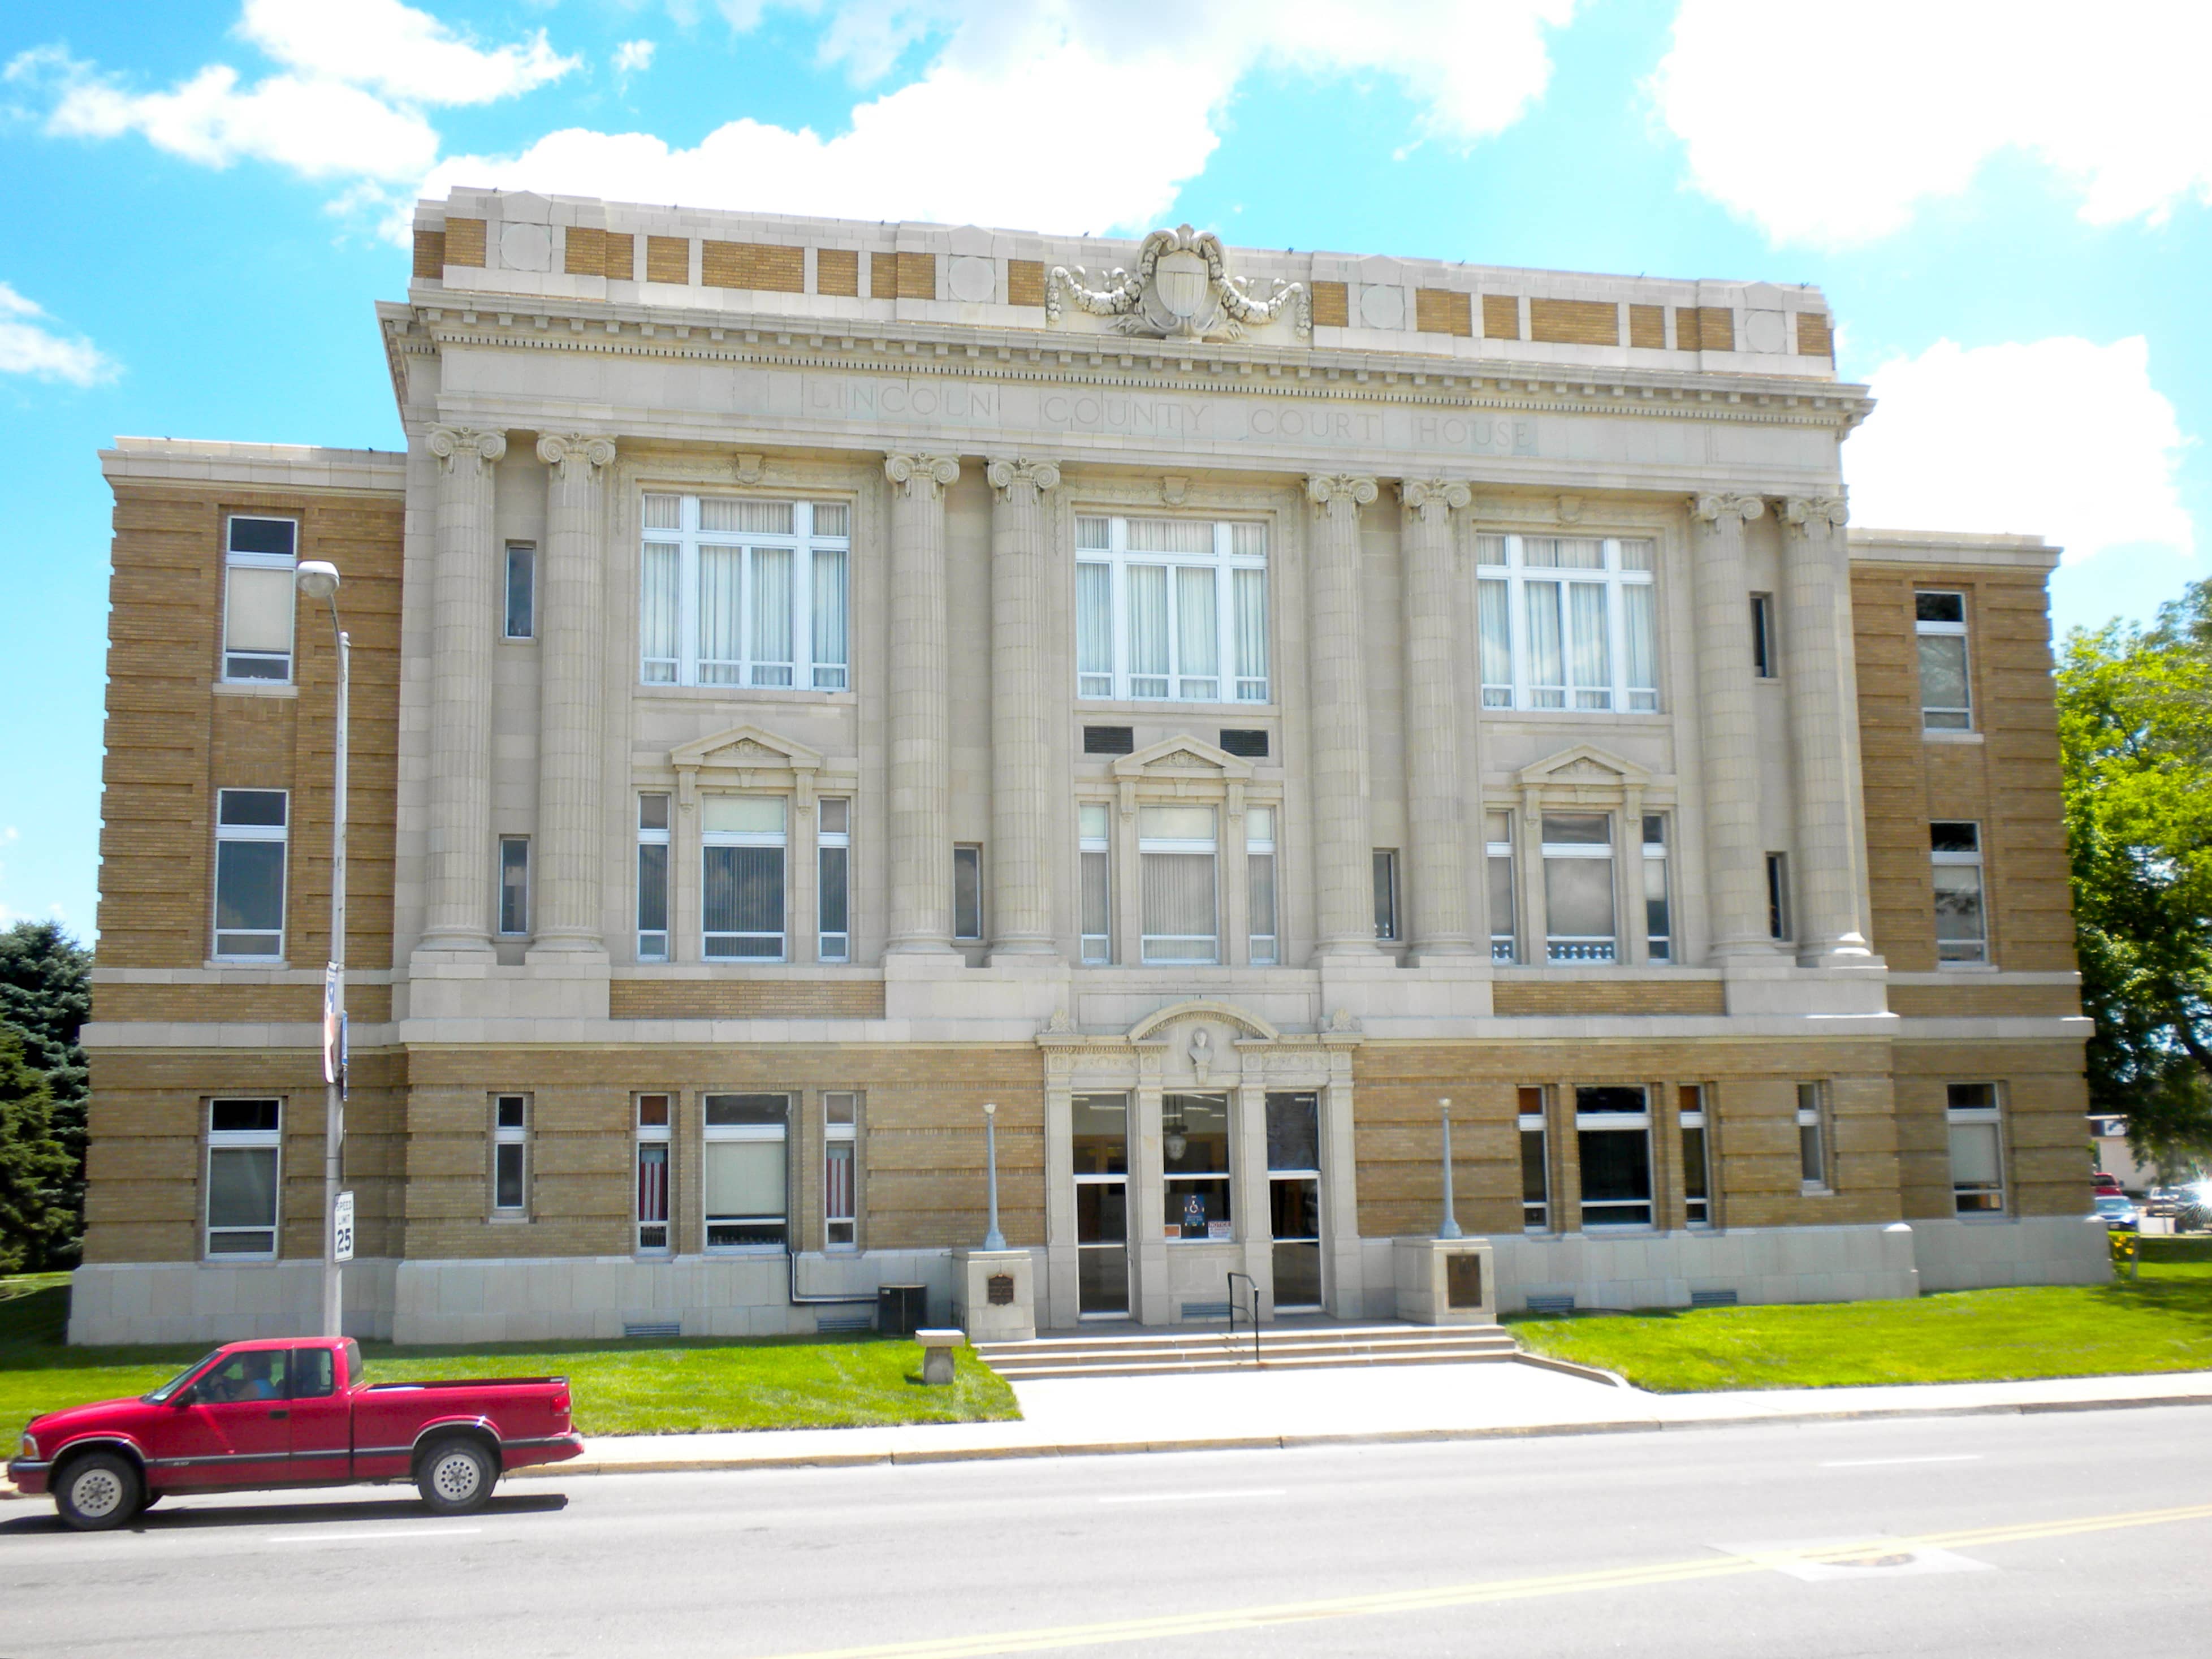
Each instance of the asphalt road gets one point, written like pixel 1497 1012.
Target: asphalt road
pixel 2001 1536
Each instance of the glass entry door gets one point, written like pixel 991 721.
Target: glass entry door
pixel 1101 1205
pixel 1294 1199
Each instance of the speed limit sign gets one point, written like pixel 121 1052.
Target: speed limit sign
pixel 341 1230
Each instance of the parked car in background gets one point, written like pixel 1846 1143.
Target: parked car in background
pixel 2119 1215
pixel 2161 1200
pixel 256 1415
pixel 2109 1184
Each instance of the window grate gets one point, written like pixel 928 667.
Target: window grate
pixel 1551 1307
pixel 652 1328
pixel 1109 740
pixel 1712 1298
pixel 1206 1311
pixel 1247 745
pixel 827 1323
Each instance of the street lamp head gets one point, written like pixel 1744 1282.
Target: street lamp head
pixel 317 579
pixel 990 1109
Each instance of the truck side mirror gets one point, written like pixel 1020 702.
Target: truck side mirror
pixel 184 1396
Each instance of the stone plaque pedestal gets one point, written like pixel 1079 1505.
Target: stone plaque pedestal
pixel 997 1294
pixel 1445 1281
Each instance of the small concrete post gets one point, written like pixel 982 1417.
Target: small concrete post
pixel 1451 1229
pixel 994 1239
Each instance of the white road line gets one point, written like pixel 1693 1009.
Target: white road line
pixel 1194 1497
pixel 334 1537
pixel 1885 1462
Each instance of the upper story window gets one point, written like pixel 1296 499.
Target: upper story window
pixel 1954 849
pixel 1940 622
pixel 744 592
pixel 741 875
pixel 244 1143
pixel 1578 887
pixel 256 598
pixel 1175 860
pixel 1174 610
pixel 521 607
pixel 249 831
pixel 1568 622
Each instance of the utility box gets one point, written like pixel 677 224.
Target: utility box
pixel 902 1310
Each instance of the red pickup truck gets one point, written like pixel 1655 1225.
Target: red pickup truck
pixel 256 1415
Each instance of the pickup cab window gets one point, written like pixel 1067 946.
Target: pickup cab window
pixel 314 1373
pixel 167 1391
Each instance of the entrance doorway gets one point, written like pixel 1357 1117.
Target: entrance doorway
pixel 1101 1205
pixel 1294 1199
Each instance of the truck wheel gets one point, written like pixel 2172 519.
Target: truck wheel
pixel 97 1491
pixel 455 1476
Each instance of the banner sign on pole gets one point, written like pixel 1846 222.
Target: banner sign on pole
pixel 333 1059
pixel 341 1230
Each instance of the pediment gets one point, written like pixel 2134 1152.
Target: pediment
pixel 750 748
pixel 1184 756
pixel 1243 1020
pixel 1586 766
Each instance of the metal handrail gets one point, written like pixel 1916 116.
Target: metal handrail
pixel 1254 1283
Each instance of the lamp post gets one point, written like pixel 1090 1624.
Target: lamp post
pixel 319 580
pixel 1451 1229
pixel 994 1239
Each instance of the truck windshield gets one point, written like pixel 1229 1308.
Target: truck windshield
pixel 161 1395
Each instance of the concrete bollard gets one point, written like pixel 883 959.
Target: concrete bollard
pixel 937 1348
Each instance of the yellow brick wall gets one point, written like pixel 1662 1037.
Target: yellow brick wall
pixel 584 250
pixel 668 259
pixel 750 999
pixel 2046 1100
pixel 465 242
pixel 1814 338
pixel 1647 327
pixel 1332 305
pixel 620 254
pixel 1704 328
pixel 837 270
pixel 1501 317
pixel 1441 310
pixel 1024 281
pixel 365 1004
pixel 1660 996
pixel 1575 322
pixel 759 265
pixel 430 253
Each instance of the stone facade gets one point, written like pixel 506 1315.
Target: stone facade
pixel 1216 711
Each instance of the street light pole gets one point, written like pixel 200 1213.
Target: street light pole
pixel 994 1239
pixel 1451 1229
pixel 320 581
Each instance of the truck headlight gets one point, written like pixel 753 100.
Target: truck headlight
pixel 30 1448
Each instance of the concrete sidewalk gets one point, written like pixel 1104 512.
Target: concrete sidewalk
pixel 1346 1406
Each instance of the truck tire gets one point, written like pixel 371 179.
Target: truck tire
pixel 455 1475
pixel 99 1491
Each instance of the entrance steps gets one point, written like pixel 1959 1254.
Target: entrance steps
pixel 1189 1350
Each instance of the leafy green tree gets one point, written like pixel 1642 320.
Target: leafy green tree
pixel 2135 723
pixel 45 996
pixel 36 1222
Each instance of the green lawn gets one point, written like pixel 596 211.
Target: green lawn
pixel 649 1387
pixel 2161 1321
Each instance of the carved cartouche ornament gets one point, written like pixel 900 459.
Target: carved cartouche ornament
pixel 1181 289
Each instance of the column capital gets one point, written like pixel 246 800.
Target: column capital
pixel 1327 490
pixel 1813 515
pixel 574 453
pixel 1717 505
pixel 1005 475
pixel 1434 499
pixel 925 476
pixel 450 443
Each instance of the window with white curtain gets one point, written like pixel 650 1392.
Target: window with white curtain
pixel 1265 941
pixel 257 605
pixel 1977 1149
pixel 1094 848
pixel 741 885
pixel 840 1111
pixel 1497 849
pixel 748 592
pixel 1578 915
pixel 1175 853
pixel 1961 931
pixel 1172 609
pixel 1568 622
pixel 744 1173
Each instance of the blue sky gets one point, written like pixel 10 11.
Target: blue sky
pixel 2011 215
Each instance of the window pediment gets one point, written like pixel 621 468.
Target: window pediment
pixel 1184 757
pixel 746 758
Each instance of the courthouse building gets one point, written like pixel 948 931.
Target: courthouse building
pixel 810 679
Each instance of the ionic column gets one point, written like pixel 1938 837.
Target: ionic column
pixel 1343 869
pixel 1021 752
pixel 1435 861
pixel 1728 730
pixel 920 711
pixel 1816 614
pixel 571 660
pixel 462 629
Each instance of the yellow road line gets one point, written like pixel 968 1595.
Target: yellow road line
pixel 982 1645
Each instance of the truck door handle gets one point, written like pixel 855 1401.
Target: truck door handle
pixel 280 1413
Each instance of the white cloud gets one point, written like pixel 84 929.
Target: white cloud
pixel 1833 124
pixel 2061 438
pixel 401 52
pixel 633 57
pixel 26 347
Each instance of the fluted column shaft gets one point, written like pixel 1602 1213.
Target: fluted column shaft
pixel 1816 601
pixel 571 660
pixel 1343 868
pixel 1436 860
pixel 462 631
pixel 1021 752
pixel 1727 725
pixel 920 710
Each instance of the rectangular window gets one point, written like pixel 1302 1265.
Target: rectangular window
pixel 1778 895
pixel 741 885
pixel 1294 1198
pixel 968 893
pixel 1763 661
pixel 841 1114
pixel 1613 1141
pixel 744 592
pixel 652 877
pixel 1812 1139
pixel 1171 609
pixel 1498 836
pixel 1568 622
pixel 1939 622
pixel 1961 928
pixel 522 591
pixel 1263 942
pixel 743 1179
pixel 257 603
pixel 1697 1157
pixel 1535 1168
pixel 249 830
pixel 1385 866
pixel 1101 1155
pixel 655 1119
pixel 510 1151
pixel 1176 859
pixel 514 884
pixel 1194 1165
pixel 1658 924
pixel 244 1145
pixel 1578 915
pixel 1094 850
pixel 1977 1149
pixel 832 881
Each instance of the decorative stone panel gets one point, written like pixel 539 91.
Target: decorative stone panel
pixel 1441 310
pixel 759 265
pixel 1501 316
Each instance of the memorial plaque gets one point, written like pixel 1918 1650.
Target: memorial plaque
pixel 1463 1281
pixel 1000 1288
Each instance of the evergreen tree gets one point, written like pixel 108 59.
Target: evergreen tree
pixel 45 996
pixel 36 1223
